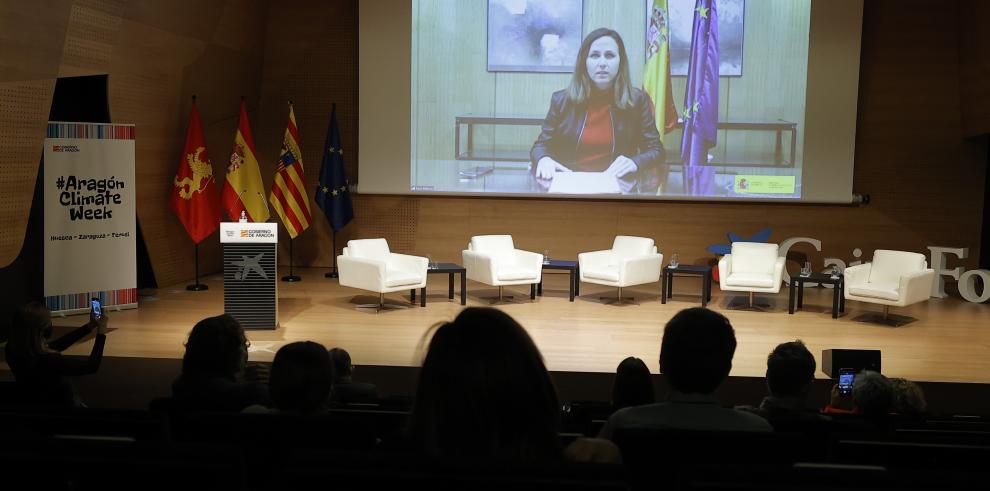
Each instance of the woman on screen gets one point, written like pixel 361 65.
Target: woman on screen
pixel 600 123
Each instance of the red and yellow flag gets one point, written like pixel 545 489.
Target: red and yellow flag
pixel 288 195
pixel 244 190
pixel 194 193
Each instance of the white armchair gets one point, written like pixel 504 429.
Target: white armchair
pixel 369 265
pixel 631 261
pixel 752 267
pixel 494 260
pixel 894 278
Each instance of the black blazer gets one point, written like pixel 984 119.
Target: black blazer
pixel 634 132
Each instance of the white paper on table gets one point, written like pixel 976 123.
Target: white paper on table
pixel 584 183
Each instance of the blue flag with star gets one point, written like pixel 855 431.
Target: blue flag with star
pixel 701 102
pixel 333 195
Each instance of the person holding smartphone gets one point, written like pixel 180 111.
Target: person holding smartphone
pixel 870 398
pixel 37 362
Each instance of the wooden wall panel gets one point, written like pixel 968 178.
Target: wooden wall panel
pixel 974 86
pixel 164 53
pixel 94 26
pixel 29 61
pixel 23 116
pixel 311 59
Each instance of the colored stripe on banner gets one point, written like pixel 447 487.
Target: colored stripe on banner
pixel 80 301
pixel 92 131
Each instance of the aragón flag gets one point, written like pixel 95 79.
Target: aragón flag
pixel 244 190
pixel 656 73
pixel 288 195
pixel 194 191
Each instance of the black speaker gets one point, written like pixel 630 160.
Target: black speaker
pixel 858 359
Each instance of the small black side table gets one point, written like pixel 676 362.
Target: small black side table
pixel 667 281
pixel 449 269
pixel 838 298
pixel 574 287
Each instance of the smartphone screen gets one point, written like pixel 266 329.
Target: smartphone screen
pixel 97 308
pixel 846 380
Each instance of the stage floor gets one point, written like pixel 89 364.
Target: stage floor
pixel 950 341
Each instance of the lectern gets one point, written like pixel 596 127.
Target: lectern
pixel 250 281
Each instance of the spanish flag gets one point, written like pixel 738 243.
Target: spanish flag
pixel 244 190
pixel 288 195
pixel 656 75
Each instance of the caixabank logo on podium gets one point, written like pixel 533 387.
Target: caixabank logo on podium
pixel 248 264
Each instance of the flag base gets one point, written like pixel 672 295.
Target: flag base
pixel 197 287
pixel 291 278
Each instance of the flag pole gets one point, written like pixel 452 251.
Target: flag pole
pixel 291 278
pixel 197 286
pixel 333 255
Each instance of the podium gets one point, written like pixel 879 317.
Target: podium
pixel 250 276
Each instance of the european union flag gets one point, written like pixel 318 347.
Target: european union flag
pixel 332 193
pixel 701 102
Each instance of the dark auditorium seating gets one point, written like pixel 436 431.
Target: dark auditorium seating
pixel 85 423
pixel 46 463
pixel 672 456
pixel 361 471
pixel 585 417
pixel 913 455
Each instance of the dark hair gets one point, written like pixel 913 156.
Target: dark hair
pixel 301 377
pixel 580 88
pixel 30 326
pixel 341 361
pixel 632 385
pixel 909 399
pixel 872 394
pixel 696 351
pixel 790 369
pixel 216 347
pixel 484 392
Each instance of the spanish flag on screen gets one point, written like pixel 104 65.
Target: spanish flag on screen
pixel 656 74
pixel 244 190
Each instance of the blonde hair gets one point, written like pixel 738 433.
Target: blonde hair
pixel 580 88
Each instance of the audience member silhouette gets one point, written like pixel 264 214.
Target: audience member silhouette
pixel 909 400
pixel 300 380
pixel 695 357
pixel 632 385
pixel 484 392
pixel 212 368
pixel 790 375
pixel 345 389
pixel 37 363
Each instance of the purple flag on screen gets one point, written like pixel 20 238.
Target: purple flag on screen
pixel 701 102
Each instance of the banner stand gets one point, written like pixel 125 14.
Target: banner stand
pixel 89 216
